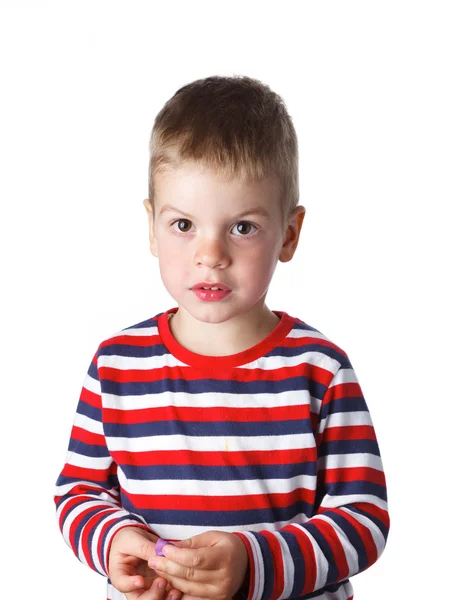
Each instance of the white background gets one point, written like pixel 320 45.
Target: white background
pixel 368 87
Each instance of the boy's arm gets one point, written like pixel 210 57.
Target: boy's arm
pixel 349 529
pixel 89 510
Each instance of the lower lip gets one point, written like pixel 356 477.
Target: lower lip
pixel 211 295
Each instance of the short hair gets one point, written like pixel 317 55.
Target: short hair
pixel 235 126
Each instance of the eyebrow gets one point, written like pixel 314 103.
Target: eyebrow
pixel 257 210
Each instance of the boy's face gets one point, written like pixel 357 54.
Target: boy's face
pixel 212 243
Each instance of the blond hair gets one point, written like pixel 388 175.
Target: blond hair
pixel 235 126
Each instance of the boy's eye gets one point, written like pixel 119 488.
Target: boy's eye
pixel 181 221
pixel 244 231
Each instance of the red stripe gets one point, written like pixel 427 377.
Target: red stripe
pixel 354 474
pixel 374 510
pixel 307 370
pixel 76 472
pixel 364 533
pixel 89 527
pixel 213 459
pixel 308 553
pixel 218 503
pixel 331 536
pixel 82 435
pixel 250 555
pixel 90 397
pixel 75 524
pixel 279 573
pixel 349 432
pixel 207 414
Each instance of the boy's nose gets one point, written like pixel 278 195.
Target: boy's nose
pixel 212 253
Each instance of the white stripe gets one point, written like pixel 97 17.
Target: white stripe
pixel 210 400
pixel 75 511
pixel 88 462
pixel 343 419
pixel 61 490
pixel 378 537
pixel 183 532
pixel 344 375
pixel 342 500
pixel 117 526
pixel 95 538
pixel 197 487
pixel 352 556
pixel 266 363
pixel 356 459
pixel 320 560
pixel 88 424
pixel 295 332
pixel 113 593
pixel 288 566
pixel 91 384
pixel 210 443
pixel 259 579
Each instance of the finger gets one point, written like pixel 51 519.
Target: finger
pixel 126 582
pixel 204 559
pixel 137 545
pixel 168 568
pixel 192 588
pixel 157 591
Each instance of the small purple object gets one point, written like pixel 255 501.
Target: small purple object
pixel 159 546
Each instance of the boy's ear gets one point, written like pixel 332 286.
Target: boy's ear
pixel 292 233
pixel 152 240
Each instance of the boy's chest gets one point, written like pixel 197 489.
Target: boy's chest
pixel 223 421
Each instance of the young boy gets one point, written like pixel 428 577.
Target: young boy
pixel 238 433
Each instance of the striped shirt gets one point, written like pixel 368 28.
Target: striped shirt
pixel 274 444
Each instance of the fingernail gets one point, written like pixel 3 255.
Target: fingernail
pixel 161 584
pixel 153 562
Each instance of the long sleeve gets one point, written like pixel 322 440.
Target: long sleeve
pixel 87 496
pixel 349 527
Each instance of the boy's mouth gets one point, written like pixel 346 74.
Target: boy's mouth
pixel 215 286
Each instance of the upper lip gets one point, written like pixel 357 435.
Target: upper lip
pixel 210 284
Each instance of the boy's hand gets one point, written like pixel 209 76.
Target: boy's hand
pixel 209 565
pixel 129 572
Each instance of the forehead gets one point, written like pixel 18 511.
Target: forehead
pixel 190 185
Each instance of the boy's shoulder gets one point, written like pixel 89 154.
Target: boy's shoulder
pixel 311 339
pixel 143 329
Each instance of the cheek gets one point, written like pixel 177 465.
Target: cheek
pixel 261 265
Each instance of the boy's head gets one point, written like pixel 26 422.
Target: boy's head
pixel 219 147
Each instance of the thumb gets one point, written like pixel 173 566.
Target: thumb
pixel 133 541
pixel 208 538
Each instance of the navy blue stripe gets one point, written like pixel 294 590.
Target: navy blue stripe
pixel 268 565
pixel 218 473
pixel 93 371
pixel 112 481
pixel 332 573
pixel 331 352
pixel 88 410
pixel 220 518
pixel 155 349
pixel 298 561
pixel 229 386
pixel 353 537
pixel 347 404
pixel 345 488
pixel 328 588
pixel 348 447
pixel 208 428
pixel 383 528
pixel 108 528
pixel 92 450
